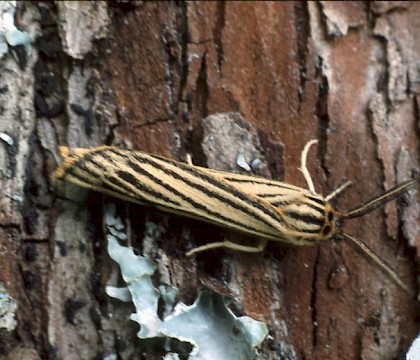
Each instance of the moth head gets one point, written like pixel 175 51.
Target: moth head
pixel 331 223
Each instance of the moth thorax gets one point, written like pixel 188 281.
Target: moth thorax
pixel 314 218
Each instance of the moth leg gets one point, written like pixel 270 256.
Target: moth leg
pixel 230 245
pixel 303 167
pixel 188 159
pixel 338 190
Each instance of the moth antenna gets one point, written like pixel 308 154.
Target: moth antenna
pixel 338 190
pixel 377 259
pixel 381 200
pixel 303 167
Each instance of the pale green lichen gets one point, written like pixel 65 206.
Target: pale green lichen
pixel 171 356
pixel 242 163
pixel 208 324
pixel 136 272
pixel 414 351
pixel 9 34
pixel 213 330
pixel 8 307
pixel 7 139
pixel 111 357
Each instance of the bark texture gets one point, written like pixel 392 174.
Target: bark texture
pixel 144 76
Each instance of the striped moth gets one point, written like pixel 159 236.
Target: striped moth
pixel 268 209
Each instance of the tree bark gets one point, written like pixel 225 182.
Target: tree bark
pixel 144 76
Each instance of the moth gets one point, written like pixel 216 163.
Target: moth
pixel 270 210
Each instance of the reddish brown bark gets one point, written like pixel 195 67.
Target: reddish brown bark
pixel 344 73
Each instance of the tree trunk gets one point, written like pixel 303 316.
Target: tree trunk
pixel 223 82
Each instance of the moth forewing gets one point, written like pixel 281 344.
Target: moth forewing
pixel 182 189
pixel 301 210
